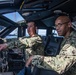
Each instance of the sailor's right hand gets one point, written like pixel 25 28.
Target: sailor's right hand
pixel 3 46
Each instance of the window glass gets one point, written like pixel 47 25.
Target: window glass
pixel 54 32
pixel 15 16
pixel 2 28
pixel 26 33
pixel 42 32
pixel 6 1
pixel 13 34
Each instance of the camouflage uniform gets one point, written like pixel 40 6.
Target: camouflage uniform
pixel 32 45
pixel 62 62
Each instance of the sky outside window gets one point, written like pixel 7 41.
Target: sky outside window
pixel 15 16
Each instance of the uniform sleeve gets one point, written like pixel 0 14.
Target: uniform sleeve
pixel 61 62
pixel 34 41
pixel 36 44
pixel 29 42
pixel 39 47
pixel 64 61
pixel 21 42
pixel 16 43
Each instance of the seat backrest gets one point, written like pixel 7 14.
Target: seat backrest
pixel 42 71
pixel 52 47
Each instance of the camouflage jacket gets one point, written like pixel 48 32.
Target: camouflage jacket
pixel 62 62
pixel 32 45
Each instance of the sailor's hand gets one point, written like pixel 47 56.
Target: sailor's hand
pixel 29 61
pixel 3 46
pixel 34 58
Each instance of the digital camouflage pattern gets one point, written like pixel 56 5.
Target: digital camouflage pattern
pixel 32 45
pixel 64 63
